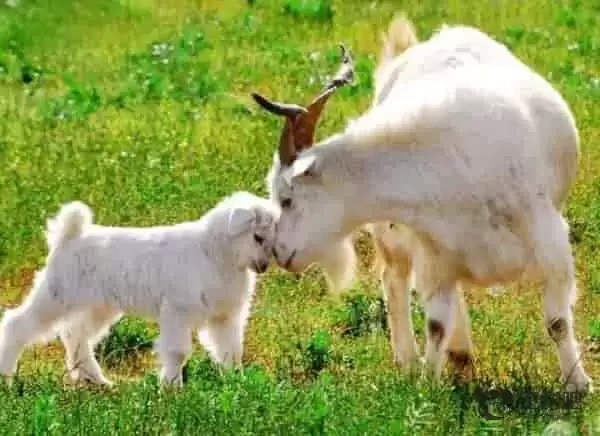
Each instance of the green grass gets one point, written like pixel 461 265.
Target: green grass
pixel 141 108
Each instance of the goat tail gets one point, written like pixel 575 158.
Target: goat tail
pixel 70 222
pixel 400 36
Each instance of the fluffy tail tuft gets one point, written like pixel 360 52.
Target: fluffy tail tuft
pixel 400 36
pixel 69 223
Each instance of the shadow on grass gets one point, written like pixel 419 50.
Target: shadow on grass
pixel 495 402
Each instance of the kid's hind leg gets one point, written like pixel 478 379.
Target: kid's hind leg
pixel 33 319
pixel 174 346
pixel 80 334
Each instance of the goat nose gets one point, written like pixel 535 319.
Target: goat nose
pixel 263 266
pixel 279 251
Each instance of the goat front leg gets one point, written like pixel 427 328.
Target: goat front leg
pixel 395 264
pixel 398 299
pixel 339 265
pixel 223 338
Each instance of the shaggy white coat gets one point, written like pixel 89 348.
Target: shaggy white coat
pixel 473 154
pixel 406 60
pixel 192 275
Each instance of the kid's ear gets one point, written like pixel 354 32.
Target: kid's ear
pixel 240 220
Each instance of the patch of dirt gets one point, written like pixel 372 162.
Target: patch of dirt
pixel 13 290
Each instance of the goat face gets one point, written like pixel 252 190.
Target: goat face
pixel 252 228
pixel 304 231
pixel 295 182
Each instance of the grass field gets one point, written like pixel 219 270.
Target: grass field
pixel 141 109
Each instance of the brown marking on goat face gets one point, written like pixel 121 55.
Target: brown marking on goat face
pixel 436 331
pixel 558 329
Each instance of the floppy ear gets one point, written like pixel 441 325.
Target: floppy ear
pixel 303 166
pixel 240 220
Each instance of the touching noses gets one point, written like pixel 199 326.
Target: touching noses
pixel 279 252
pixel 275 253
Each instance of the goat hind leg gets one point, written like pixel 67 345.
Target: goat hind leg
pixel 79 336
pixel 460 346
pixel 224 339
pixel 35 318
pixel 557 265
pixel 440 314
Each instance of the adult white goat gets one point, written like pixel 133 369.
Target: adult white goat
pixel 473 156
pixel 193 275
pixel 450 48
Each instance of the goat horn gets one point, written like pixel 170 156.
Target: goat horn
pixel 287 146
pixel 305 127
pixel 291 112
pixel 345 74
pixel 300 124
pixel 277 108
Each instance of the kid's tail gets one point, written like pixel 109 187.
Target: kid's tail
pixel 69 223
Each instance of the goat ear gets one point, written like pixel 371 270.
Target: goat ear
pixel 303 166
pixel 240 220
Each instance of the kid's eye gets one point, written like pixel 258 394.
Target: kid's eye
pixel 259 239
pixel 286 203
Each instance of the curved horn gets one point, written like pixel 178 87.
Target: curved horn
pixel 300 124
pixel 304 132
pixel 277 108
pixel 345 74
pixel 291 112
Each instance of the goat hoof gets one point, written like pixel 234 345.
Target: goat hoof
pixel 462 365
pixel 83 381
pixel 583 386
pixel 408 364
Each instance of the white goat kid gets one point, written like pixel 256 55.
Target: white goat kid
pixel 193 275
pixel 462 157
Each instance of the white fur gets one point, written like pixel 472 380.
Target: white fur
pixel 71 221
pixel 192 275
pixel 472 154
pixel 449 49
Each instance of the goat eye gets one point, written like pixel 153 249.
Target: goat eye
pixel 259 239
pixel 286 203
